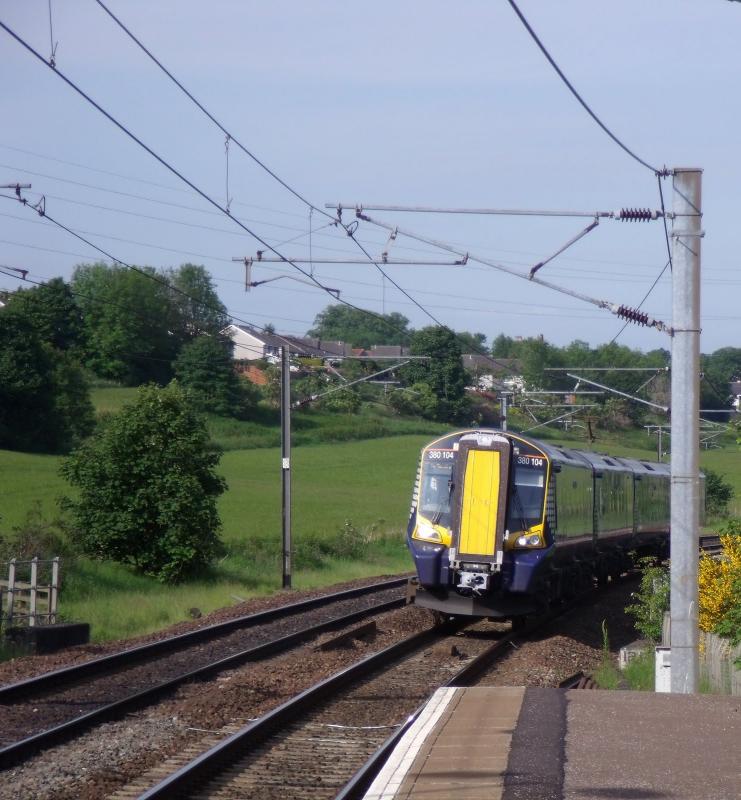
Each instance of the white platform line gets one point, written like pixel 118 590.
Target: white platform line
pixel 389 779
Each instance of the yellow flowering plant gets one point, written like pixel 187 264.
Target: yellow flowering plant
pixel 720 585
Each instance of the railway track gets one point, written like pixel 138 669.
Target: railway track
pixel 57 706
pixel 335 734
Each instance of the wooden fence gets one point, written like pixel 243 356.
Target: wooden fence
pixel 29 595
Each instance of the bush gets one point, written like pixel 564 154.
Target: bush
pixel 35 537
pixel 205 368
pixel 147 488
pixel 652 599
pixel 718 493
pixel 720 586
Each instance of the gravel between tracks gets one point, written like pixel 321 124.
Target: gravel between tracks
pixel 18 669
pixel 41 712
pixel 100 762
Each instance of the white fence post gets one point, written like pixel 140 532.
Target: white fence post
pixel 32 590
pixel 11 589
pixel 54 590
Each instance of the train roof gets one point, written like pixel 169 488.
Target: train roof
pixel 571 456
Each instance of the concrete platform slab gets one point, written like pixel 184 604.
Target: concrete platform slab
pixel 487 743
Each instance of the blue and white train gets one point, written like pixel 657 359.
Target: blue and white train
pixel 503 525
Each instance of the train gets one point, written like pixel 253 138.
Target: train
pixel 503 526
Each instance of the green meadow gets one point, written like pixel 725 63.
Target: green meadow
pixel 350 503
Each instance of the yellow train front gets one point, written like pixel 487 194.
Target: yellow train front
pixel 502 525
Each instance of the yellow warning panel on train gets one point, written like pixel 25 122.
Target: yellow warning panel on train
pixel 480 502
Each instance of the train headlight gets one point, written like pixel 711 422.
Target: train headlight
pixel 427 533
pixel 529 540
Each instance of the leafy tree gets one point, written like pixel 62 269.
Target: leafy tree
pixel 128 320
pixel 201 311
pixel 73 410
pixel 53 313
pixel 360 329
pixel 147 487
pixel 206 370
pixel 472 342
pixel 26 387
pixel 417 400
pixel 536 355
pixel 44 400
pixel 503 347
pixel 718 493
pixel 443 373
pixel 651 600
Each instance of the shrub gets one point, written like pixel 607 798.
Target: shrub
pixel 720 585
pixel 718 493
pixel 147 487
pixel 652 599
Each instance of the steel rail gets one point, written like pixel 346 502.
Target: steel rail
pixel 19 751
pixel 236 746
pixel 48 680
pixel 181 781
pixel 357 786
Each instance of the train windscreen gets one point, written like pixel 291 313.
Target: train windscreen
pixel 527 492
pixel 436 489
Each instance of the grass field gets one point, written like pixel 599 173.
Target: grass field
pixel 367 484
pixel 364 484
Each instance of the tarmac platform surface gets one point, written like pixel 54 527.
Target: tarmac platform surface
pixel 487 743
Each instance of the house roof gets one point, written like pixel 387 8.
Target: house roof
pixel 387 351
pixel 299 345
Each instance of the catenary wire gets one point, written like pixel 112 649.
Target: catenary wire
pixel 146 274
pixel 249 153
pixel 182 177
pixel 576 94
pixel 260 221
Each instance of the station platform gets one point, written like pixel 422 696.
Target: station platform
pixel 487 743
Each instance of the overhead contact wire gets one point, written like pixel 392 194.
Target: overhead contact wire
pixel 262 164
pixel 576 94
pixel 185 180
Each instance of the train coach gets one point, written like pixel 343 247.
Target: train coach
pixel 503 525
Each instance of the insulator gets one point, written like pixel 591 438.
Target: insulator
pixel 633 315
pixel 637 214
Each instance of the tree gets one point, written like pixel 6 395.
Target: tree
pixel 196 306
pixel 26 387
pixel 44 400
pixel 205 369
pixel 416 400
pixel 535 355
pixel 360 329
pixel 503 347
pixel 443 373
pixel 472 342
pixel 53 313
pixel 128 320
pixel 718 493
pixel 147 487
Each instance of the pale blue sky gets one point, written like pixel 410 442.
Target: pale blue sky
pixel 428 103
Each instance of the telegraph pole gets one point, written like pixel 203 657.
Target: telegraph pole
pixel 685 407
pixel 503 411
pixel 285 442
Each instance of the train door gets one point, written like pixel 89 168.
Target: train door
pixel 480 500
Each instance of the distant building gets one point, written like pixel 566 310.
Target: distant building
pixel 251 344
pixel 735 387
pixel 489 373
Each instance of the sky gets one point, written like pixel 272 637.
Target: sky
pixel 394 103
